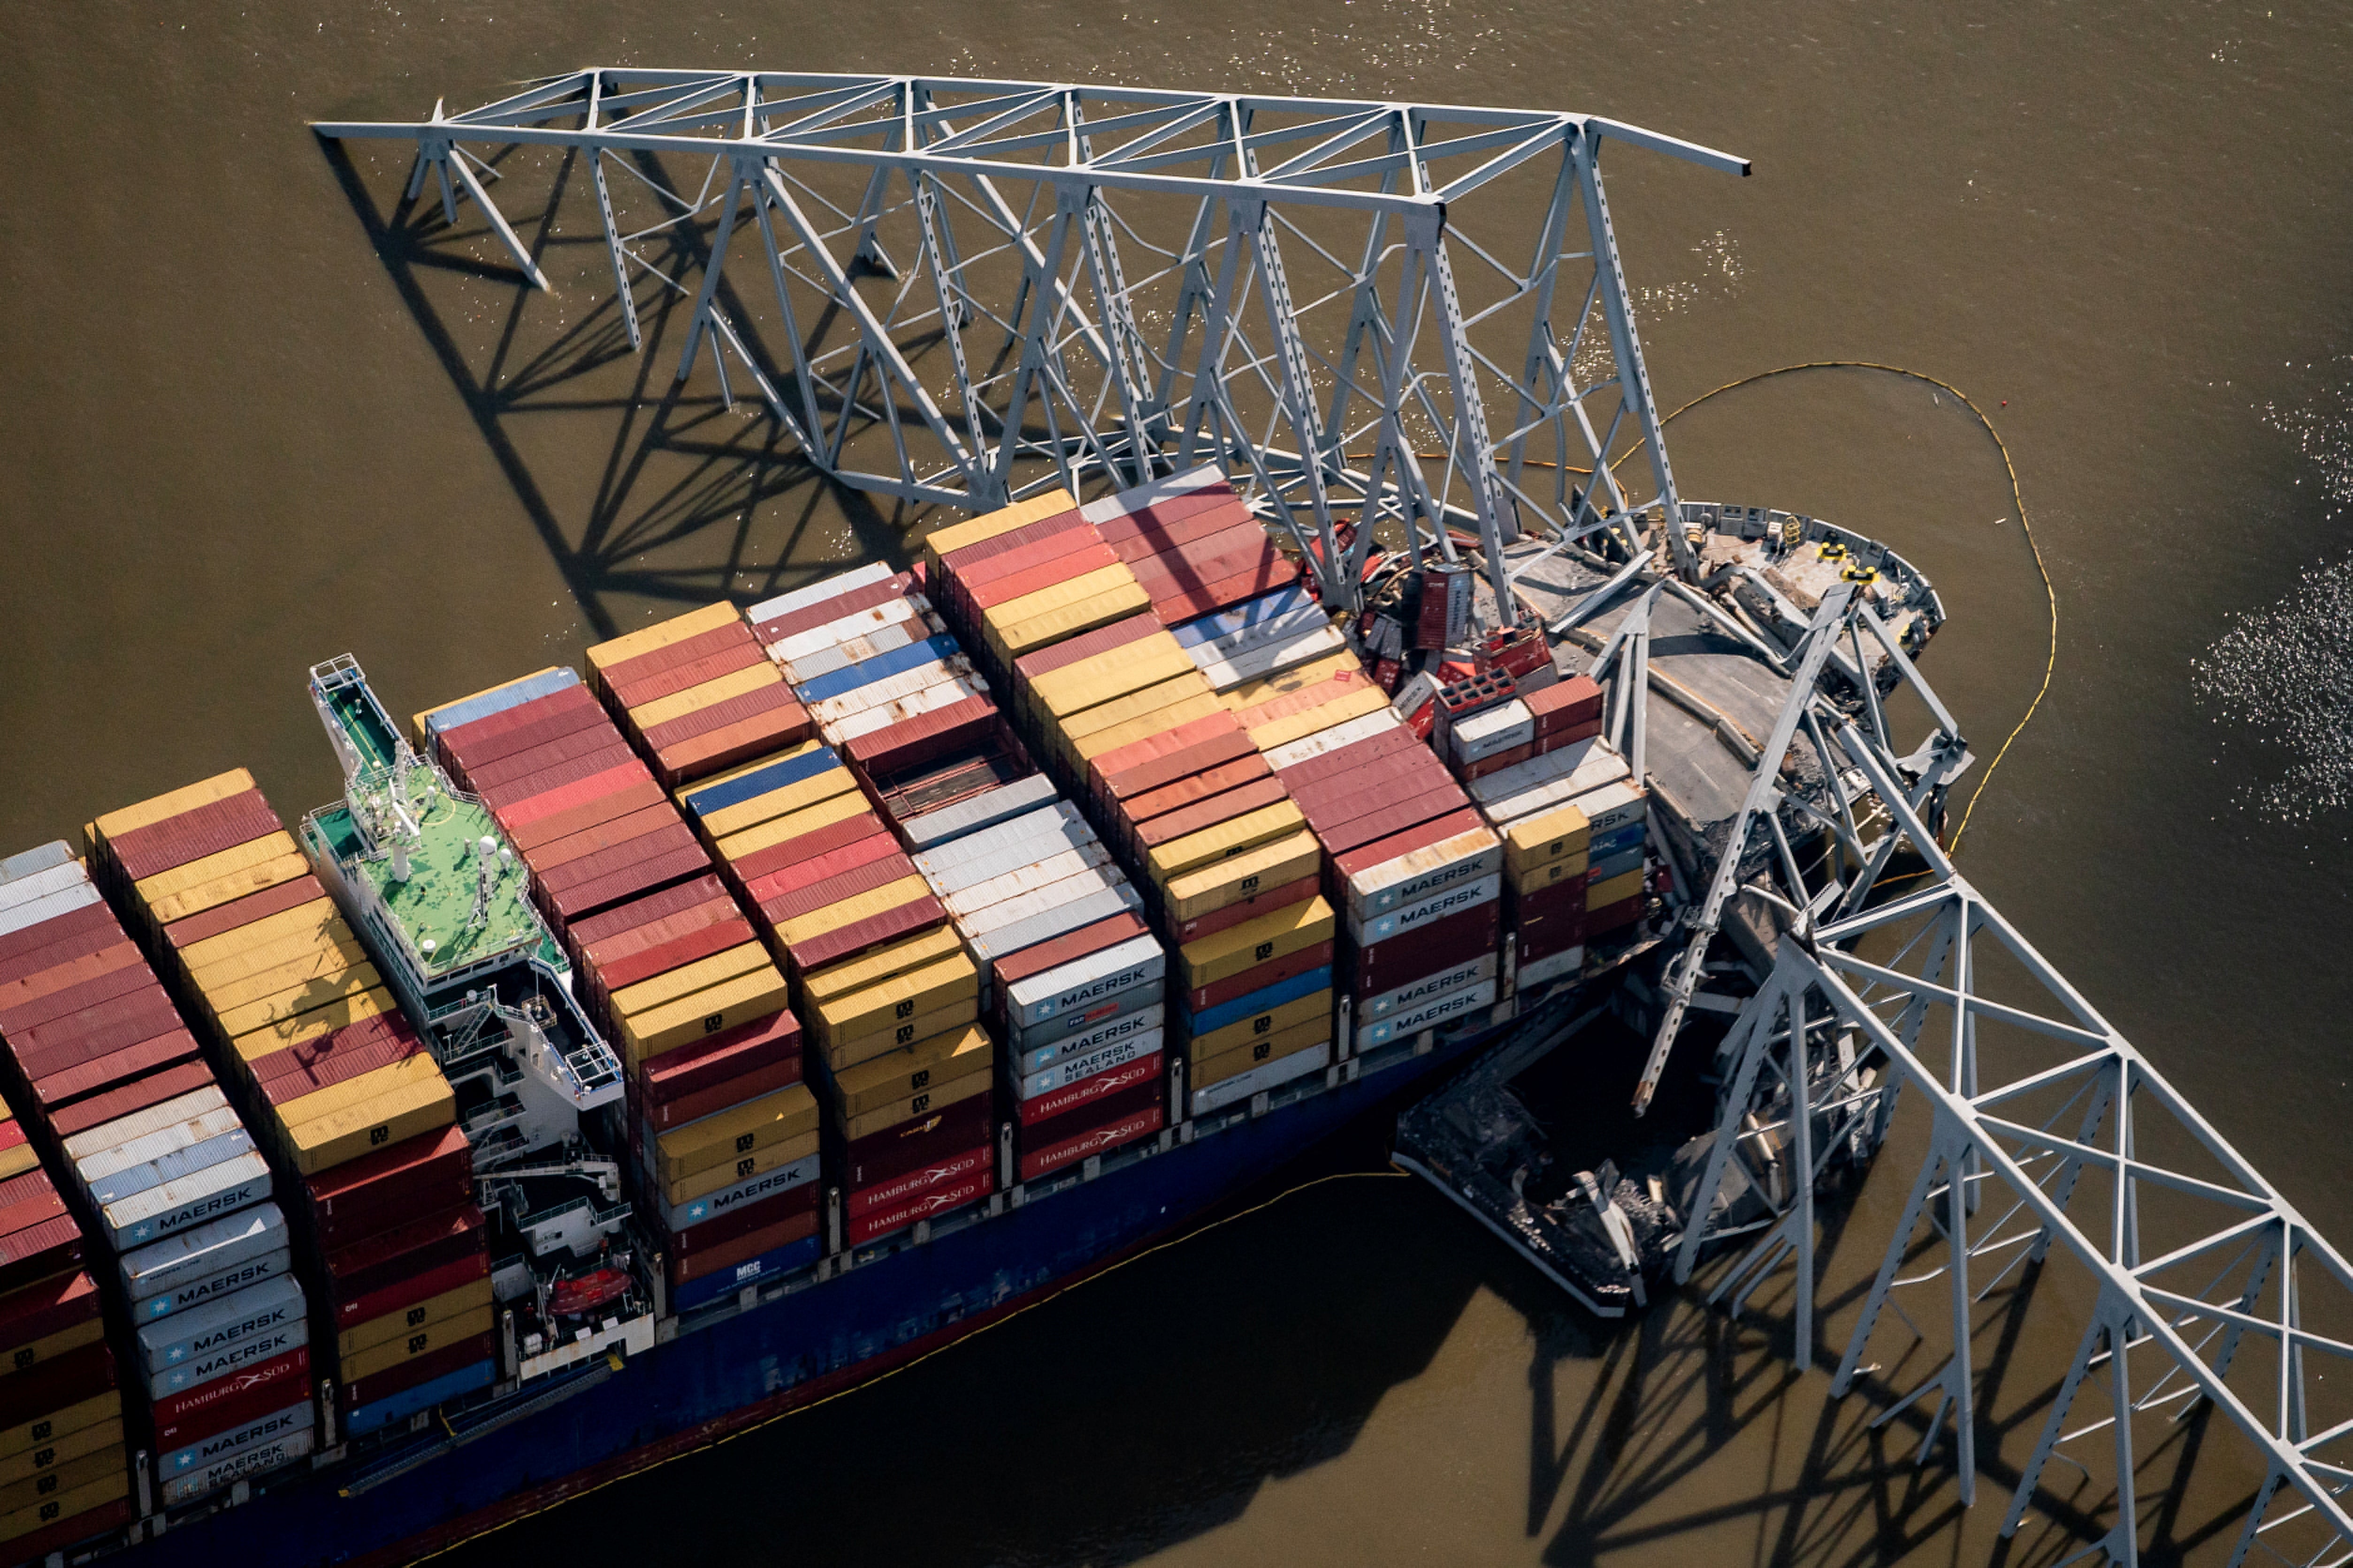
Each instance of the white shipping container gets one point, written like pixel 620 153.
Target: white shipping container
pixel 1274 1075
pixel 751 1190
pixel 934 829
pixel 1084 982
pixel 203 1250
pixel 930 699
pixel 1269 659
pixel 1430 1013
pixel 1205 477
pixel 1012 911
pixel 185 1338
pixel 39 885
pixel 1568 962
pixel 818 593
pixel 225 1281
pixel 1291 754
pixel 117 1188
pixel 900 687
pixel 1073 1069
pixel 24 917
pixel 1470 855
pixel 1058 816
pixel 269 1456
pixel 1005 941
pixel 1493 730
pixel 177 1205
pixel 1407 918
pixel 1414 992
pixel 56 852
pixel 820 649
pixel 1229 647
pixel 1553 779
pixel 137 1150
pixel 1092 1035
pixel 154 1119
pixel 965 903
pixel 1613 807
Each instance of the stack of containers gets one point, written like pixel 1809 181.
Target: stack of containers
pixel 1053 953
pixel 586 816
pixel 1126 716
pixel 724 1132
pixel 337 1085
pixel 697 693
pixel 1574 821
pixel 64 1470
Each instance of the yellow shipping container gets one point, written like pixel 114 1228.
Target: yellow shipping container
pixel 1617 890
pixel 364 1090
pixel 678 628
pixel 226 889
pixel 1267 688
pixel 735 1131
pixel 1098 607
pixel 1135 704
pixel 694 698
pixel 1545 874
pixel 1101 676
pixel 1241 1056
pixel 949 979
pixel 17 1161
pixel 687 979
pixel 738 1001
pixel 294 1002
pixel 862 906
pixel 825 789
pixel 1223 840
pixel 402 1348
pixel 1278 934
pixel 1291 727
pixel 417 721
pixel 1264 867
pixel 379 1123
pixel 953 1091
pixel 51 1452
pixel 1289 1015
pixel 296 957
pixel 316 916
pixel 49 1347
pixel 178 803
pixel 63 1476
pixel 885 963
pixel 1548 836
pixel 864 1045
pixel 278 1035
pixel 794 821
pixel 1174 716
pixel 64 1504
pixel 474 1296
pixel 726 1173
pixel 211 868
pixel 98 1409
pixel 910 1069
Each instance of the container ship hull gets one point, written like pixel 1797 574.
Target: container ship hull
pixel 788 1352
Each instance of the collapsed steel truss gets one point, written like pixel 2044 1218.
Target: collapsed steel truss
pixel 1005 285
pixel 2206 1284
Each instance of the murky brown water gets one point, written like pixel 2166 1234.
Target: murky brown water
pixel 233 444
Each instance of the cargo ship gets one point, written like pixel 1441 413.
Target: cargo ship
pixel 631 1056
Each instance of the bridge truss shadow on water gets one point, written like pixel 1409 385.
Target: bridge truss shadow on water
pixel 695 495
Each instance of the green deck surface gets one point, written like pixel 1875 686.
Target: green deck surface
pixel 438 899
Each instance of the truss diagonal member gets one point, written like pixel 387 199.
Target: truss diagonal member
pixel 898 376
pixel 1764 784
pixel 2111 1326
pixel 1296 388
pixel 452 158
pixel 1473 453
pixel 1633 378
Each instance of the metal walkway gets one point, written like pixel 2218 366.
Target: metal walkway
pixel 1414 316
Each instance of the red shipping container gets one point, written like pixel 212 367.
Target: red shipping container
pixel 79 989
pixel 1379 852
pixel 698 1241
pixel 113 1025
pixel 1253 797
pixel 1074 1097
pixel 1387 823
pixel 614 767
pixel 1049 1158
pixel 681 667
pixel 1499 762
pixel 924 737
pixel 1071 946
pixel 558 826
pixel 973 562
pixel 704 1103
pixel 1041 566
pixel 47 1307
pixel 1156 759
pixel 159 846
pixel 63 971
pixel 1569 736
pixel 519 813
pixel 222 918
pixel 889 866
pixel 64 1086
pixel 791 852
pixel 713 1060
pixel 1085 645
pixel 364 1267
pixel 931 1204
pixel 727 1255
pixel 815 870
pixel 1207 522
pixel 1204 558
pixel 1166 513
pixel 419 1371
pixel 68 1115
pixel 195 1413
pixel 784 718
pixel 943 1170
pixel 1565 704
pixel 1263 903
pixel 431 1172
pixel 809 617
pixel 1274 571
pixel 29 950
pixel 1613 916
pixel 895 1151
pixel 546 855
pixel 51 1385
pixel 683 762
pixel 706 890
pixel 1145 805
pixel 423 1286
pixel 1449 940
pixel 518 731
pixel 664 846
pixel 701 942
pixel 917 914
pixel 1343 760
pixel 288 1075
pixel 1042 1134
pixel 1566 897
pixel 600 742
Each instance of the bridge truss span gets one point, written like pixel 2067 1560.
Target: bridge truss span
pixel 956 291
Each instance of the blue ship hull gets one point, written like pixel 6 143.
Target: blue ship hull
pixel 760 1363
